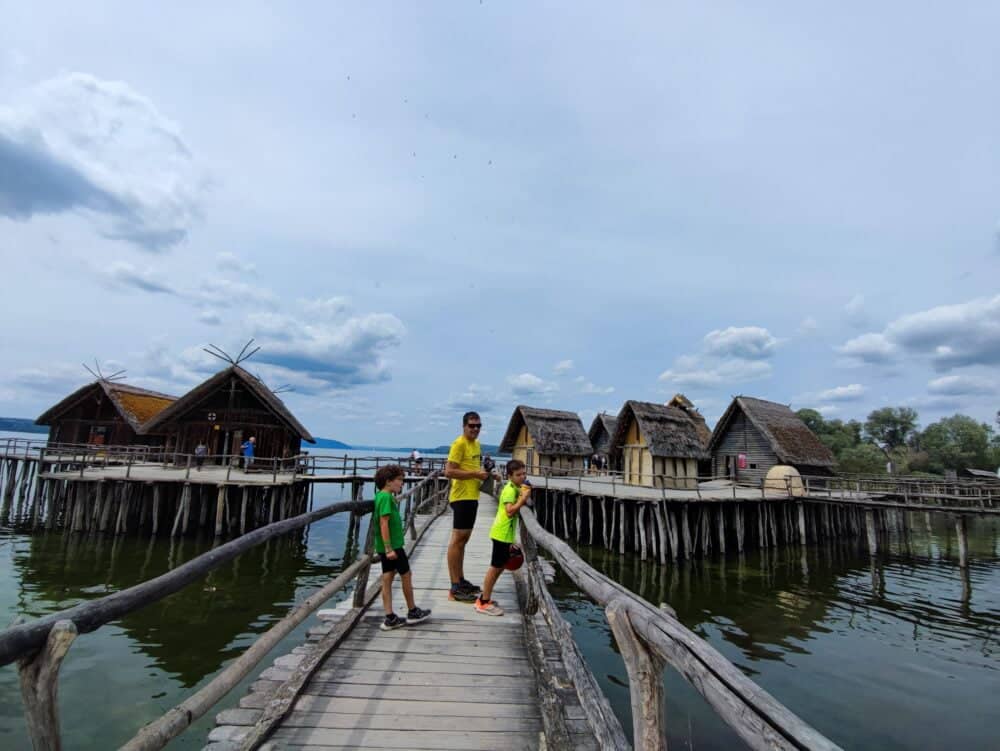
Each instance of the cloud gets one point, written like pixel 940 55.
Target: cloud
pixel 476 398
pixel 590 388
pixel 731 355
pixel 733 371
pixel 225 293
pixel 125 275
pixel 808 325
pixel 962 385
pixel 855 311
pixel 55 378
pixel 871 349
pixel 528 384
pixel 79 143
pixel 210 318
pixel 563 366
pixel 851 393
pixel 329 308
pixel 745 343
pixel 827 409
pixel 232 262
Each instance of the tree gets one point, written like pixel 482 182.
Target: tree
pixel 958 442
pixel 891 427
pixel 863 459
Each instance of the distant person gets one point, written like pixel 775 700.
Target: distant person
pixel 513 496
pixel 466 475
pixel 417 462
pixel 247 448
pixel 595 463
pixel 200 452
pixel 391 548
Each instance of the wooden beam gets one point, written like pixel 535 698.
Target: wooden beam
pixel 39 678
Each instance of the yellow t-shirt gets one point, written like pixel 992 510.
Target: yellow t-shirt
pixel 466 455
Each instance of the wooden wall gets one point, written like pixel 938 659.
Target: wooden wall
pixel 524 449
pixel 741 437
pixel 95 419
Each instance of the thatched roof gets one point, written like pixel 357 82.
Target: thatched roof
pixel 682 402
pixel 554 431
pixel 788 436
pixel 668 431
pixel 602 421
pixel 136 406
pixel 982 474
pixel 194 397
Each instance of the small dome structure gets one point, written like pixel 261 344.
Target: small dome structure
pixel 781 479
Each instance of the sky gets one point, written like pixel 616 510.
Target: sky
pixel 416 209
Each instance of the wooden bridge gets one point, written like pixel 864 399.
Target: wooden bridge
pixel 459 680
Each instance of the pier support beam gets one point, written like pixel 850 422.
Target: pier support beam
pixel 870 527
pixel 963 541
pixel 220 505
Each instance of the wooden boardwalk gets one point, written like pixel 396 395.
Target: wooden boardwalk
pixel 461 680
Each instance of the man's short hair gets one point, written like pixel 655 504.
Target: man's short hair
pixel 514 465
pixel 468 416
pixel 387 474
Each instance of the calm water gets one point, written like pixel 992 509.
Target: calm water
pixel 898 655
pixel 902 655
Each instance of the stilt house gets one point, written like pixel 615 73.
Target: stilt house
pixel 754 435
pixel 226 410
pixel 682 402
pixel 547 440
pixel 106 413
pixel 658 445
pixel 602 429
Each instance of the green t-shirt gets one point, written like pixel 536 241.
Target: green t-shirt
pixel 387 505
pixel 504 527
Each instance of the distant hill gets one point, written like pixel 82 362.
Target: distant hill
pixel 442 450
pixel 21 425
pixel 329 443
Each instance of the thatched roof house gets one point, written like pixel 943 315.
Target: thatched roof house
pixel 546 439
pixel 106 412
pixel 601 431
pixel 659 445
pixel 754 435
pixel 225 410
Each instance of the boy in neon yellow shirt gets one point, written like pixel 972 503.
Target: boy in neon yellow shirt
pixel 513 496
pixel 391 547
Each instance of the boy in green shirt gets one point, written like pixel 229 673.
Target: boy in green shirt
pixel 390 546
pixel 513 496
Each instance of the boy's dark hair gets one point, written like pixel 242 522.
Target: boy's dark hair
pixel 387 474
pixel 514 465
pixel 468 416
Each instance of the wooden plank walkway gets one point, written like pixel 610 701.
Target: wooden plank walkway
pixel 461 680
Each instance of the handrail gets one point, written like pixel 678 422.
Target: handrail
pixel 649 637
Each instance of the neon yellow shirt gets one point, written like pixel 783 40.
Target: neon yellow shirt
pixel 466 455
pixel 504 527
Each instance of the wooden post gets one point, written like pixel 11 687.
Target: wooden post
pixel 686 532
pixel 645 677
pixel 739 527
pixel 220 506
pixel 722 530
pixel 661 528
pixel 39 677
pixel 870 527
pixel 362 583
pixel 963 541
pixel 243 511
pixel 802 523
pixel 186 504
pixel 156 508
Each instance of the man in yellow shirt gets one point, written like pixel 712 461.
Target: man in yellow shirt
pixel 466 475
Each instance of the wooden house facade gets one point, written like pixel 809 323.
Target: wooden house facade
pixel 704 432
pixel 754 435
pixel 602 430
pixel 106 413
pixel 226 410
pixel 657 445
pixel 547 440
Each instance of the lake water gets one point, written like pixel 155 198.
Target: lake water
pixel 900 655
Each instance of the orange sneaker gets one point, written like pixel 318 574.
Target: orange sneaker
pixel 488 608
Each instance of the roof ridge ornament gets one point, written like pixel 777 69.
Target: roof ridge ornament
pixel 217 351
pixel 96 371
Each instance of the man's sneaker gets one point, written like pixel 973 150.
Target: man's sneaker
pixel 488 608
pixel 392 621
pixel 458 594
pixel 469 586
pixel 416 615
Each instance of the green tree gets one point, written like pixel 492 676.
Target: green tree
pixel 958 442
pixel 863 459
pixel 891 427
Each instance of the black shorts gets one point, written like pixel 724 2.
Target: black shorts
pixel 501 552
pixel 401 565
pixel 464 514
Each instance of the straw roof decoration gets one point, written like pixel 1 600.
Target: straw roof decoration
pixel 136 405
pixel 668 431
pixel 554 431
pixel 193 397
pixel 789 437
pixel 682 402
pixel 602 421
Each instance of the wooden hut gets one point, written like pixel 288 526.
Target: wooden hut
pixel 602 429
pixel 658 445
pixel 547 440
pixel 106 413
pixel 682 402
pixel 227 409
pixel 754 435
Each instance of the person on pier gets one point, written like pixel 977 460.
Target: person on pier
pixel 466 475
pixel 247 448
pixel 513 496
pixel 391 548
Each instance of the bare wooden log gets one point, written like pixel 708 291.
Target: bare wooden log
pixel 870 528
pixel 640 512
pixel 963 541
pixel 156 508
pixel 622 510
pixel 220 501
pixel 243 510
pixel 661 527
pixel 721 517
pixel 802 523
pixel 739 527
pixel 39 678
pixel 645 677
pixel 686 532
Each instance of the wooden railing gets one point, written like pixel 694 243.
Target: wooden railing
pixel 650 638
pixel 39 646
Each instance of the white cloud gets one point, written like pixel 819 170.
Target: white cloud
pixel 225 293
pixel 745 343
pixel 232 262
pixel 850 393
pixel 856 312
pixel 563 366
pixel 808 326
pixel 962 385
pixel 827 409
pixel 124 275
pixel 328 308
pixel 528 384
pixel 591 388
pixel 210 318
pixel 869 348
pixel 732 371
pixel 79 143
pixel 731 355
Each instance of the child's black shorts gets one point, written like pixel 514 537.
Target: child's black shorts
pixel 401 565
pixel 501 552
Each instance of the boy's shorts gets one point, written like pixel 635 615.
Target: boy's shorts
pixel 501 552
pixel 464 514
pixel 401 565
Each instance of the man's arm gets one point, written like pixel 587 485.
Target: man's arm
pixel 453 472
pixel 383 524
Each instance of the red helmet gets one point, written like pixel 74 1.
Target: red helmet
pixel 515 560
